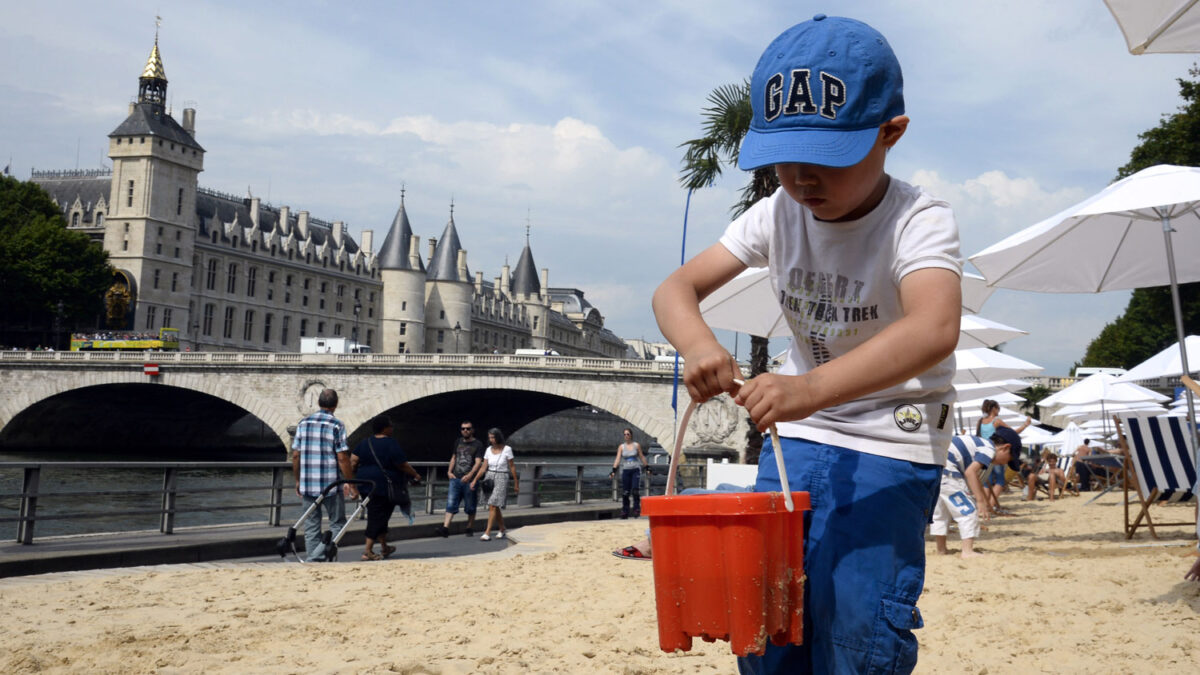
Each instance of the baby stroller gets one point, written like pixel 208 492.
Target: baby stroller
pixel 329 540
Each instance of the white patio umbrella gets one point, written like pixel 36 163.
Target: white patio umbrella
pixel 1103 412
pixel 1167 363
pixel 1102 388
pixel 1068 440
pixel 1158 26
pixel 1034 435
pixel 981 390
pixel 976 331
pixel 975 292
pixel 985 365
pixel 1107 242
pixel 746 304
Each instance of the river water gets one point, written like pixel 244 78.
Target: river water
pixel 110 497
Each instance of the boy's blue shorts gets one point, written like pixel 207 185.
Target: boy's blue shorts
pixel 864 557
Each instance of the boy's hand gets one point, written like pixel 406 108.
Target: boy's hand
pixel 771 398
pixel 709 371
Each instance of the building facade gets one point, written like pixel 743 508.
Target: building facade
pixel 237 274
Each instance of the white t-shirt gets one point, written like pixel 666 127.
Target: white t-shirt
pixel 498 461
pixel 838 285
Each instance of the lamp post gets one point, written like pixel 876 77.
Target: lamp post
pixel 357 309
pixel 58 315
pixel 457 331
pixel 195 335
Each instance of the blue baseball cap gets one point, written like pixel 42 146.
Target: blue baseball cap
pixel 1007 435
pixel 819 93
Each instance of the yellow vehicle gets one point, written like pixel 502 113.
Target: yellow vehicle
pixel 167 339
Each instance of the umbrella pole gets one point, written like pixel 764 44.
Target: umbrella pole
pixel 1165 216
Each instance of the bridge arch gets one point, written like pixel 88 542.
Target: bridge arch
pixel 136 418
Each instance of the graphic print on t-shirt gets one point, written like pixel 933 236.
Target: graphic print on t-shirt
pixel 823 305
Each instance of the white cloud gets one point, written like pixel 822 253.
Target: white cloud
pixel 993 205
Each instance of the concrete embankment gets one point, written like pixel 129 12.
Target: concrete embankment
pixel 256 540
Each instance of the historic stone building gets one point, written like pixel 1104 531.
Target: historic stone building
pixel 237 274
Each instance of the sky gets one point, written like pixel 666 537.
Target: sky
pixel 567 117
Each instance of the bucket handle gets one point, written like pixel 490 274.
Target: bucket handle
pixel 778 452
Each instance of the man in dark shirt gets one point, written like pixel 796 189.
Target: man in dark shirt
pixel 465 463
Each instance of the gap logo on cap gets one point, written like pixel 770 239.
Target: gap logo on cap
pixel 799 95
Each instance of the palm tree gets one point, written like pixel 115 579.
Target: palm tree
pixel 726 121
pixel 1033 395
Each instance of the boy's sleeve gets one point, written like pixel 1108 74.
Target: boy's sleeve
pixel 983 457
pixel 929 238
pixel 748 237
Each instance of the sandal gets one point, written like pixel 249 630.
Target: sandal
pixel 631 553
pixel 371 555
pixel 388 550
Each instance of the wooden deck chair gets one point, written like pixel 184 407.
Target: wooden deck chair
pixel 1160 466
pixel 1071 484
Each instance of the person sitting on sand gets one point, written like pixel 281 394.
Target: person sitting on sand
pixel 968 458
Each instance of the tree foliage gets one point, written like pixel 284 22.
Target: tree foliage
pixel 726 121
pixel 42 263
pixel 1148 324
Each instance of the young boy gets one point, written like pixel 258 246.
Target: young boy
pixel 866 269
pixel 968 458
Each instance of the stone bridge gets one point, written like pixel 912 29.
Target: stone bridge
pixel 73 399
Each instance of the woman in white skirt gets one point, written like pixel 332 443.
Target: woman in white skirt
pixel 499 459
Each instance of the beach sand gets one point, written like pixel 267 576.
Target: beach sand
pixel 1059 590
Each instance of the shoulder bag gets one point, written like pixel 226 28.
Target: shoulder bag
pixel 391 488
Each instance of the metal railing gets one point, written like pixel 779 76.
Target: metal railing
pixel 259 359
pixel 199 491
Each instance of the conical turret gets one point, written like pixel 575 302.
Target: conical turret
pixel 394 253
pixel 443 266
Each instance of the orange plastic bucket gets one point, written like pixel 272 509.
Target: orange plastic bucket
pixel 728 566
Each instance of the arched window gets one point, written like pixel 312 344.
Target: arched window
pixel 75 219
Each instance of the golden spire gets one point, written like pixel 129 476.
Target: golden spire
pixel 154 66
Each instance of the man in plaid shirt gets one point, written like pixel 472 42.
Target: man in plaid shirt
pixel 319 457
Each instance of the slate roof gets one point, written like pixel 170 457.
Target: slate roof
pixel 212 207
pixel 89 190
pixel 444 264
pixel 148 119
pixel 525 276
pixel 572 300
pixel 394 253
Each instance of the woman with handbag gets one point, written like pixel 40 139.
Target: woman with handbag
pixel 499 459
pixel 380 459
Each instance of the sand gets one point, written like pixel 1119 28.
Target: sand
pixel 1059 590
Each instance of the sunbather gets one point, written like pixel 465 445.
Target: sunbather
pixel 1046 473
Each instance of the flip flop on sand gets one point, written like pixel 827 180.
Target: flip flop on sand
pixel 631 553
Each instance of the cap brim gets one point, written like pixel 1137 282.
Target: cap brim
pixel 823 147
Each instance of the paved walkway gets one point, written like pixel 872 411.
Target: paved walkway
pixel 257 542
